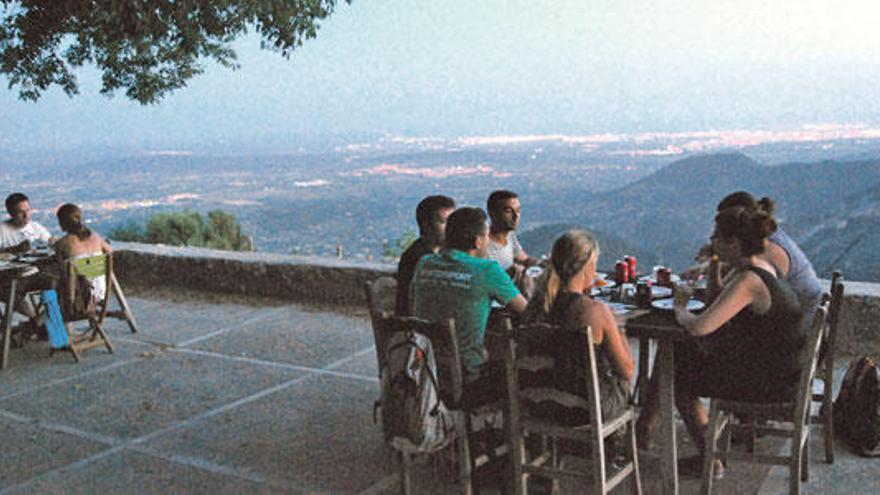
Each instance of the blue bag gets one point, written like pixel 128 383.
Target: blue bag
pixel 58 338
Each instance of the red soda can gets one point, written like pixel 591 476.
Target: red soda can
pixel 664 277
pixel 631 263
pixel 621 272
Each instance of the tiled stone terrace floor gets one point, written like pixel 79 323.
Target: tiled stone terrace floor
pixel 222 395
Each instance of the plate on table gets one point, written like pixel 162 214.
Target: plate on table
pixel 668 304
pixel 534 271
pixel 659 292
pixel 619 308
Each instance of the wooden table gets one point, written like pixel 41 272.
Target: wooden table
pixel 661 326
pixel 11 274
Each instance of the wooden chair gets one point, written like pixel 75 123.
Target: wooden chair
pixel 450 382
pixel 796 413
pixel 124 312
pixel 381 297
pixel 75 270
pixel 593 434
pixel 826 367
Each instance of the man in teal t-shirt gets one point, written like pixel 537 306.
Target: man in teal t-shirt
pixel 460 283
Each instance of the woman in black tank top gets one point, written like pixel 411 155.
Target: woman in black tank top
pixel 565 301
pixel 748 342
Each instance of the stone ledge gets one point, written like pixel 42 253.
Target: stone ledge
pixel 306 279
pixel 339 282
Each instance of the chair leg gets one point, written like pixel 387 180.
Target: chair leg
pixel 828 416
pixel 129 318
pixel 71 341
pixel 405 473
pixel 805 458
pixel 100 331
pixel 716 423
pixel 633 453
pixel 464 457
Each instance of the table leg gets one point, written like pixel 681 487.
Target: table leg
pixel 7 324
pixel 668 446
pixel 644 363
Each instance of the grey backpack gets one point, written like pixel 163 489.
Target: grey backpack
pixel 414 418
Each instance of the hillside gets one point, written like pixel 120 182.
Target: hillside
pixel 670 212
pixel 612 248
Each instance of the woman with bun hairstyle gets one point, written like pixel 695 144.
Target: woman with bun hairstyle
pixel 564 300
pixel 747 343
pixel 784 254
pixel 80 242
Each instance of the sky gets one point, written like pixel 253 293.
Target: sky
pixel 499 68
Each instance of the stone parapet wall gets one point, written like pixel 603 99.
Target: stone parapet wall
pixel 327 281
pixel 339 282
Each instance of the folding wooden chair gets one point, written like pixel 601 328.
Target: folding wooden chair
pixel 450 384
pixel 521 400
pixel 825 374
pixel 76 272
pixel 124 312
pixel 795 414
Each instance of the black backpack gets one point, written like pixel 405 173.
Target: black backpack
pixel 414 418
pixel 857 407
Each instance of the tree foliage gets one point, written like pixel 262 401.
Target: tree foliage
pixel 148 48
pixel 220 230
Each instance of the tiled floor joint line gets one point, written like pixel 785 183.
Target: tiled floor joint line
pixel 230 328
pixel 69 378
pixel 59 428
pixel 342 361
pixel 135 442
pixel 293 367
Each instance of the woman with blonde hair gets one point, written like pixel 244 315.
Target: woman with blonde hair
pixel 80 242
pixel 564 300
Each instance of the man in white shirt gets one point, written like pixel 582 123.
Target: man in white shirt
pixel 17 234
pixel 504 211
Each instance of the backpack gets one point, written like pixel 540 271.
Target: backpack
pixel 857 407
pixel 414 418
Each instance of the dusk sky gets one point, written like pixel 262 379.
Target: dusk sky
pixel 491 67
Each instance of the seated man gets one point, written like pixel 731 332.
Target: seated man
pixel 19 231
pixel 431 215
pixel 504 247
pixel 16 236
pixel 460 283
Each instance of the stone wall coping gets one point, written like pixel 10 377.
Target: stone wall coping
pixel 252 257
pixel 853 288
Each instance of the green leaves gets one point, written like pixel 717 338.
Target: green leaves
pixel 220 230
pixel 148 48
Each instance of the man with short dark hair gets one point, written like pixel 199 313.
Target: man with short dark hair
pixel 16 236
pixel 460 283
pixel 504 211
pixel 19 231
pixel 431 215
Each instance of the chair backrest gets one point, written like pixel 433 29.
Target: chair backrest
pixel 79 271
pixel 837 288
pixel 810 358
pixel 450 374
pixel 381 294
pixel 561 343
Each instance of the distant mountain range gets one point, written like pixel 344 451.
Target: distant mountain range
pixel 831 208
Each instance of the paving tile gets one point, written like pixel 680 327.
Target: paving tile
pixel 294 336
pixel 318 434
pixel 133 472
pixel 27 450
pixel 32 366
pixel 132 400
pixel 173 323
pixel 365 364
